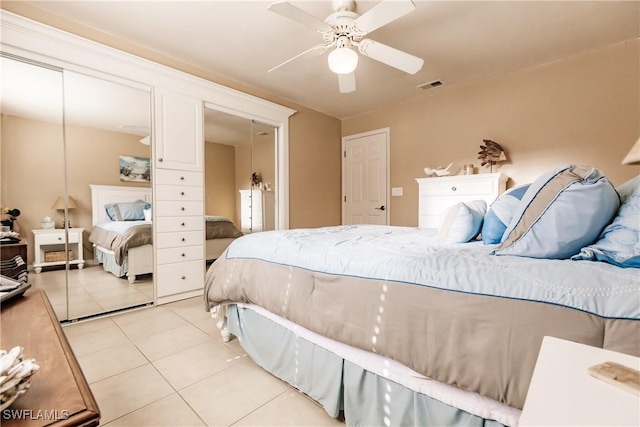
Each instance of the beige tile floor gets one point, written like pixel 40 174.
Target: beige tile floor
pixel 167 366
pixel 91 291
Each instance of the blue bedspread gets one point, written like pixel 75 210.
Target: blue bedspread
pixel 412 255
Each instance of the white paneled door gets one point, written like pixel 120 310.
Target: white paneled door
pixel 365 178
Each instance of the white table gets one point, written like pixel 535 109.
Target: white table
pixel 562 393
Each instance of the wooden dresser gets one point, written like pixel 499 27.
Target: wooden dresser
pixel 59 394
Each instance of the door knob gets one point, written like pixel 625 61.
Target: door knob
pixel 381 208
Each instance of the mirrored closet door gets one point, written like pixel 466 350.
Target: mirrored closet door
pixel 32 150
pixel 108 168
pixel 240 172
pixel 71 144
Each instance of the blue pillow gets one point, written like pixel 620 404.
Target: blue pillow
pixel 619 243
pixel 561 212
pixel 126 211
pixel 462 222
pixel 500 213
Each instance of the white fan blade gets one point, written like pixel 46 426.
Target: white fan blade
pixel 382 14
pixel 391 56
pixel 319 46
pixel 347 82
pixel 290 11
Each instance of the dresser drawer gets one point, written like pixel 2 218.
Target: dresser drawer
pixel 173 255
pixel 176 208
pixel 179 277
pixel 177 223
pixel 179 192
pixel 173 177
pixel 453 187
pixel 179 239
pixel 437 205
pixel 56 238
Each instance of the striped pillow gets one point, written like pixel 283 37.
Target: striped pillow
pixel 560 213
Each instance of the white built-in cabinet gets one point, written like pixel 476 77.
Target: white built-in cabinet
pixel 257 210
pixel 436 195
pixel 179 196
pixel 179 131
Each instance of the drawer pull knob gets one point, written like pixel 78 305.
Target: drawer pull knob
pixel 183 277
pixel 59 238
pixel 183 239
pixel 160 160
pixel 182 193
pixel 182 224
pixel 182 178
pixel 183 254
pixel 453 188
pixel 182 208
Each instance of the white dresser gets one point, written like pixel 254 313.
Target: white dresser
pixel 257 210
pixel 179 240
pixel 435 195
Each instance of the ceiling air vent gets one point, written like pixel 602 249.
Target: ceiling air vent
pixel 430 85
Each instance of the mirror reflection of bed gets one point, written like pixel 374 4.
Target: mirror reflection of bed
pixel 49 149
pixel 235 149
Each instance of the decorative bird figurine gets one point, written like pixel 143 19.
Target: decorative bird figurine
pixel 491 153
pixel 439 171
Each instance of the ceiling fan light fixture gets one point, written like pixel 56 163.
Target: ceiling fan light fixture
pixel 342 60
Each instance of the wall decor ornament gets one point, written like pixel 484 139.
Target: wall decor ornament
pixel 439 171
pixel 491 153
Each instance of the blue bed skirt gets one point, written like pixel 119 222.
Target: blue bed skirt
pixel 364 398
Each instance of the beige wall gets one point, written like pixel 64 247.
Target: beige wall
pixel 323 143
pixel 584 110
pixel 33 169
pixel 315 171
pixel 220 180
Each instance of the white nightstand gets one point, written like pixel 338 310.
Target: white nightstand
pixel 562 393
pixel 53 241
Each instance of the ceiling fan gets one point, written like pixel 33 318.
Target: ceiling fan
pixel 344 30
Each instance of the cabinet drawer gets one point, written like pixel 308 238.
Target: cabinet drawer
pixel 179 239
pixel 174 208
pixel 179 192
pixel 177 223
pixel 452 187
pixel 173 177
pixel 56 238
pixel 173 255
pixel 179 277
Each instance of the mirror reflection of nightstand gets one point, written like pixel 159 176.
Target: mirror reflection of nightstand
pixel 49 248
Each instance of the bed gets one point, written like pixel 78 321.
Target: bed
pixel 388 326
pixel 124 248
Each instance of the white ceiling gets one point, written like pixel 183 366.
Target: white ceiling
pixel 460 41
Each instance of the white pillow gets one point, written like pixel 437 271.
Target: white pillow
pixel 147 213
pixel 462 222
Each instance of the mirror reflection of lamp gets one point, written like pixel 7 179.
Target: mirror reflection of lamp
pixel 59 205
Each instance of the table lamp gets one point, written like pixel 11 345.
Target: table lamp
pixel 633 157
pixel 59 205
